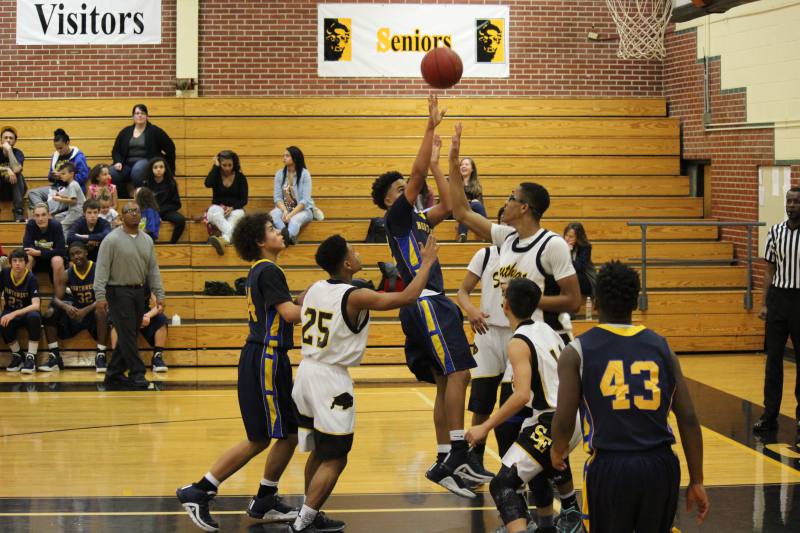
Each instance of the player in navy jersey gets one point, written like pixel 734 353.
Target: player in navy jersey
pixel 264 384
pixel 20 310
pixel 67 317
pixel 626 379
pixel 436 346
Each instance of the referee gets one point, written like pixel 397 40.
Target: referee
pixel 126 262
pixel 781 309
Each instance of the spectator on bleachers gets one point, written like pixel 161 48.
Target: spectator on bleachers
pixel 292 196
pixel 12 182
pixel 230 192
pixel 474 191
pixel 43 242
pixel 65 153
pixel 68 316
pixel 150 222
pixel 160 179
pixel 100 184
pixel 20 311
pixel 153 329
pixel 581 250
pixel 66 205
pixel 89 229
pixel 134 147
pixel 108 213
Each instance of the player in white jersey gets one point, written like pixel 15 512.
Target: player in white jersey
pixel 533 353
pixel 526 249
pixel 335 318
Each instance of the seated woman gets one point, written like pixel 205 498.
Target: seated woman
pixel 134 147
pixel 12 182
pixel 469 173
pixel 65 153
pixel 292 196
pixel 160 179
pixel 43 243
pixel 581 250
pixel 228 199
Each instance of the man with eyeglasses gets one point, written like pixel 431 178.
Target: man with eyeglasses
pixel 126 263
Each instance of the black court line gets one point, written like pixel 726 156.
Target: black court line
pixel 763 508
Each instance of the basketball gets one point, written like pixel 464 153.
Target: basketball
pixel 441 68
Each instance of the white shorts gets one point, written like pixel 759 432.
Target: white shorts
pixel 491 356
pixel 530 453
pixel 325 401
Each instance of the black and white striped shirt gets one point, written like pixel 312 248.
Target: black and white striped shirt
pixel 783 250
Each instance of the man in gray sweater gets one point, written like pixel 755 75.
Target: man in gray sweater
pixel 126 262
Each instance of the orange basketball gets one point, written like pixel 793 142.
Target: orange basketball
pixel 441 68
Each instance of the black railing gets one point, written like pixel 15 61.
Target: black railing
pixel 748 295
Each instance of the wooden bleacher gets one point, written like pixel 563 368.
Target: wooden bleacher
pixel 604 162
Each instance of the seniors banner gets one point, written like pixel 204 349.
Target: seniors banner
pixel 381 40
pixel 99 22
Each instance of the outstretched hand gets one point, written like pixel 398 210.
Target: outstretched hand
pixel 436 150
pixel 430 251
pixel 455 143
pixel 435 115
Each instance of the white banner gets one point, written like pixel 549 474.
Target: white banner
pixel 63 22
pixel 381 40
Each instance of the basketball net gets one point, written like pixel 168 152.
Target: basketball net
pixel 641 25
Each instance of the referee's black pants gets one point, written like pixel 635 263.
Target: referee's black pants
pixel 783 320
pixel 126 308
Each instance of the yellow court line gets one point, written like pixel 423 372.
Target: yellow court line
pixel 329 511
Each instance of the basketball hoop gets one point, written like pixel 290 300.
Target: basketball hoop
pixel 641 25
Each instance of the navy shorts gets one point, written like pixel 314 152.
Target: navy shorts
pixel 631 491
pixel 435 338
pixel 68 328
pixel 265 393
pixel 149 331
pixel 31 321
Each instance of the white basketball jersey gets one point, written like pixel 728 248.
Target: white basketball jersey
pixel 545 345
pixel 484 265
pixel 327 335
pixel 543 253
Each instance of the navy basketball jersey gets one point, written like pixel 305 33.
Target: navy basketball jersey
pixel 81 285
pixel 17 293
pixel 628 384
pixel 407 230
pixel 267 288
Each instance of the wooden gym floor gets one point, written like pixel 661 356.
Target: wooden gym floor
pixel 76 458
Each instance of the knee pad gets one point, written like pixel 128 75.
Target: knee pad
pixel 564 476
pixel 542 491
pixel 483 395
pixel 510 503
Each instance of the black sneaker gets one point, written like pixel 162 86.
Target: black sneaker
pixel 16 363
pixel 475 463
pixel 195 501
pixel 444 476
pixel 569 521
pixel 763 424
pixel 29 364
pixel 323 523
pixel 270 509
pixel 468 471
pixel 100 363
pixel 158 363
pixel 53 363
pixel 218 244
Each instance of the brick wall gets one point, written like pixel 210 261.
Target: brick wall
pixel 86 71
pixel 551 56
pixel 250 48
pixel 735 155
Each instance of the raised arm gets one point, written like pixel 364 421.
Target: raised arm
pixel 442 209
pixel 569 397
pixel 420 168
pixel 383 301
pixel 461 209
pixel 692 442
